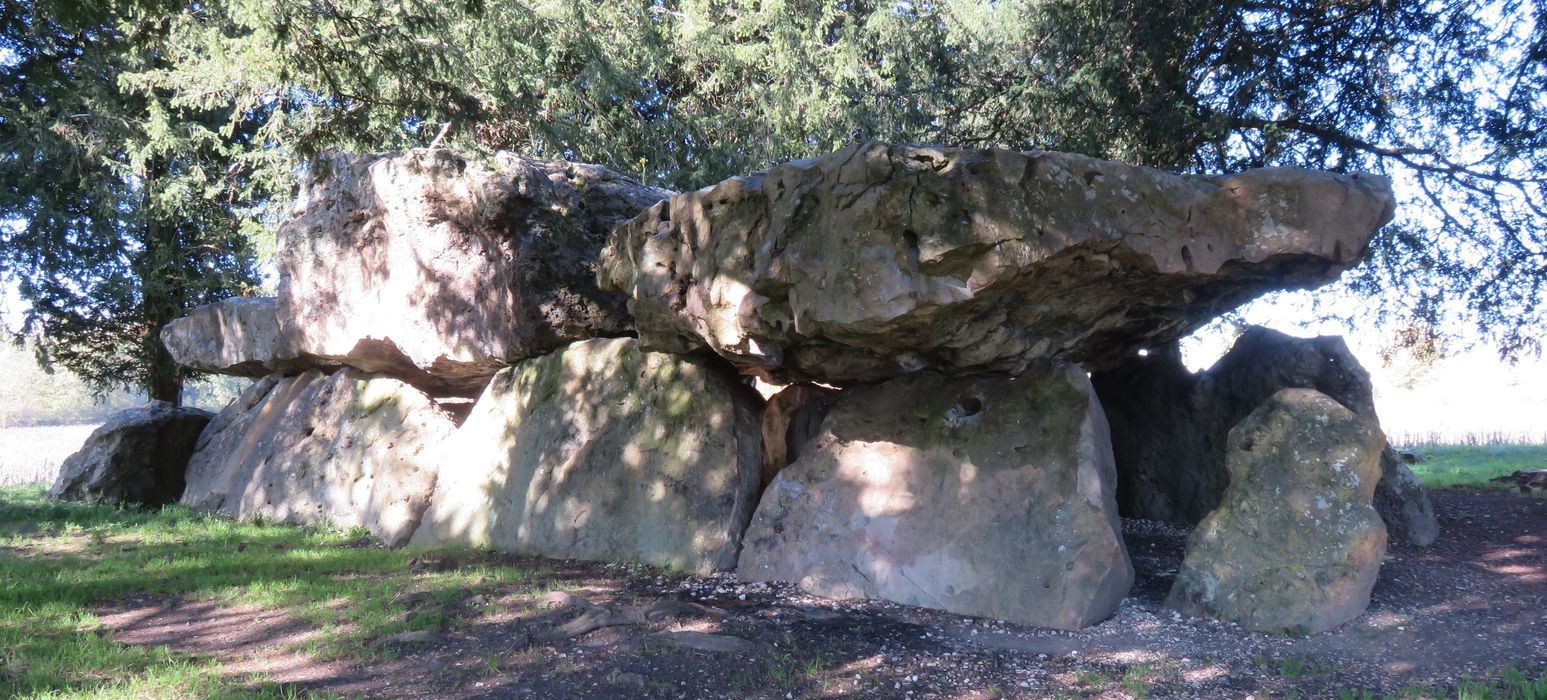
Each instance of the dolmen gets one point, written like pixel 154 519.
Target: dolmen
pixel 553 359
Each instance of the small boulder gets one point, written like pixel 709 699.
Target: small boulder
pixel 441 270
pixel 140 455
pixel 1295 546
pixel 982 496
pixel 602 451
pixel 346 449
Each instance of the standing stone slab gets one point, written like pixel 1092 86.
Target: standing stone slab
pixel 139 456
pixel 604 452
pixel 347 449
pixel 1170 426
pixel 441 270
pixel 1295 546
pixel 984 496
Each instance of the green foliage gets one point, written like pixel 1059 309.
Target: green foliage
pixel 1471 466
pixel 170 128
pixel 1446 96
pixel 58 561
pixel 118 209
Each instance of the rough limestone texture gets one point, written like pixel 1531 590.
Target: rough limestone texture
pixel 138 456
pixel 441 270
pixel 347 449
pixel 604 452
pixel 1295 546
pixel 880 260
pixel 981 496
pixel 1170 425
pixel 792 418
pixel 238 336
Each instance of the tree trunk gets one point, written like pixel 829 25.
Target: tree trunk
pixel 161 293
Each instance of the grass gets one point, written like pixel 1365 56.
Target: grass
pixel 33 455
pixel 60 561
pixel 1471 466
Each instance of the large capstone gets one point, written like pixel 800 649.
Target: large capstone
pixel 604 452
pixel 442 270
pixel 138 456
pixel 881 260
pixel 1295 545
pixel 346 449
pixel 1170 425
pixel 983 496
pixel 238 336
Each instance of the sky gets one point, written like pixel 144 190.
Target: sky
pixel 1471 393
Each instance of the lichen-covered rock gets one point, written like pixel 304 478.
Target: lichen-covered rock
pixel 138 456
pixel 984 496
pixel 791 418
pixel 238 336
pixel 346 449
pixel 604 452
pixel 1170 425
pixel 1295 545
pixel 441 270
pixel 881 260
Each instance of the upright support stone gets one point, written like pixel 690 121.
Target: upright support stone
pixel 1295 545
pixel 602 451
pixel 982 496
pixel 1170 425
pixel 345 449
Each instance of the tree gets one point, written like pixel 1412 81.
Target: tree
pixel 1445 96
pixel 120 211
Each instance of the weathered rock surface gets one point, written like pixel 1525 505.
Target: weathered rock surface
pixel 442 270
pixel 604 452
pixel 1295 546
pixel 984 496
pixel 138 456
pixel 1170 426
pixel 346 449
pixel 792 418
pixel 880 260
pixel 237 336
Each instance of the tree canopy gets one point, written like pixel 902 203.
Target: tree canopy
pixel 1444 96
pixel 118 209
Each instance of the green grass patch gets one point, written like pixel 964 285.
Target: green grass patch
pixel 1471 466
pixel 60 561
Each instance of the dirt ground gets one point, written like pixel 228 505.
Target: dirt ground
pixel 1475 601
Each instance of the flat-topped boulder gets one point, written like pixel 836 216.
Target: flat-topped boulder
pixel 238 336
pixel 986 496
pixel 882 260
pixel 441 270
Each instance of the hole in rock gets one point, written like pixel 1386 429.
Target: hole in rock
pixel 970 406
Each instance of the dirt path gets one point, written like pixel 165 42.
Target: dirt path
pixel 1474 601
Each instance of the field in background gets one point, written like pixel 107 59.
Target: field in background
pixel 33 455
pixel 1472 466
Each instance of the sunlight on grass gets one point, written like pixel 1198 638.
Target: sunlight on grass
pixel 58 561
pixel 1471 466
